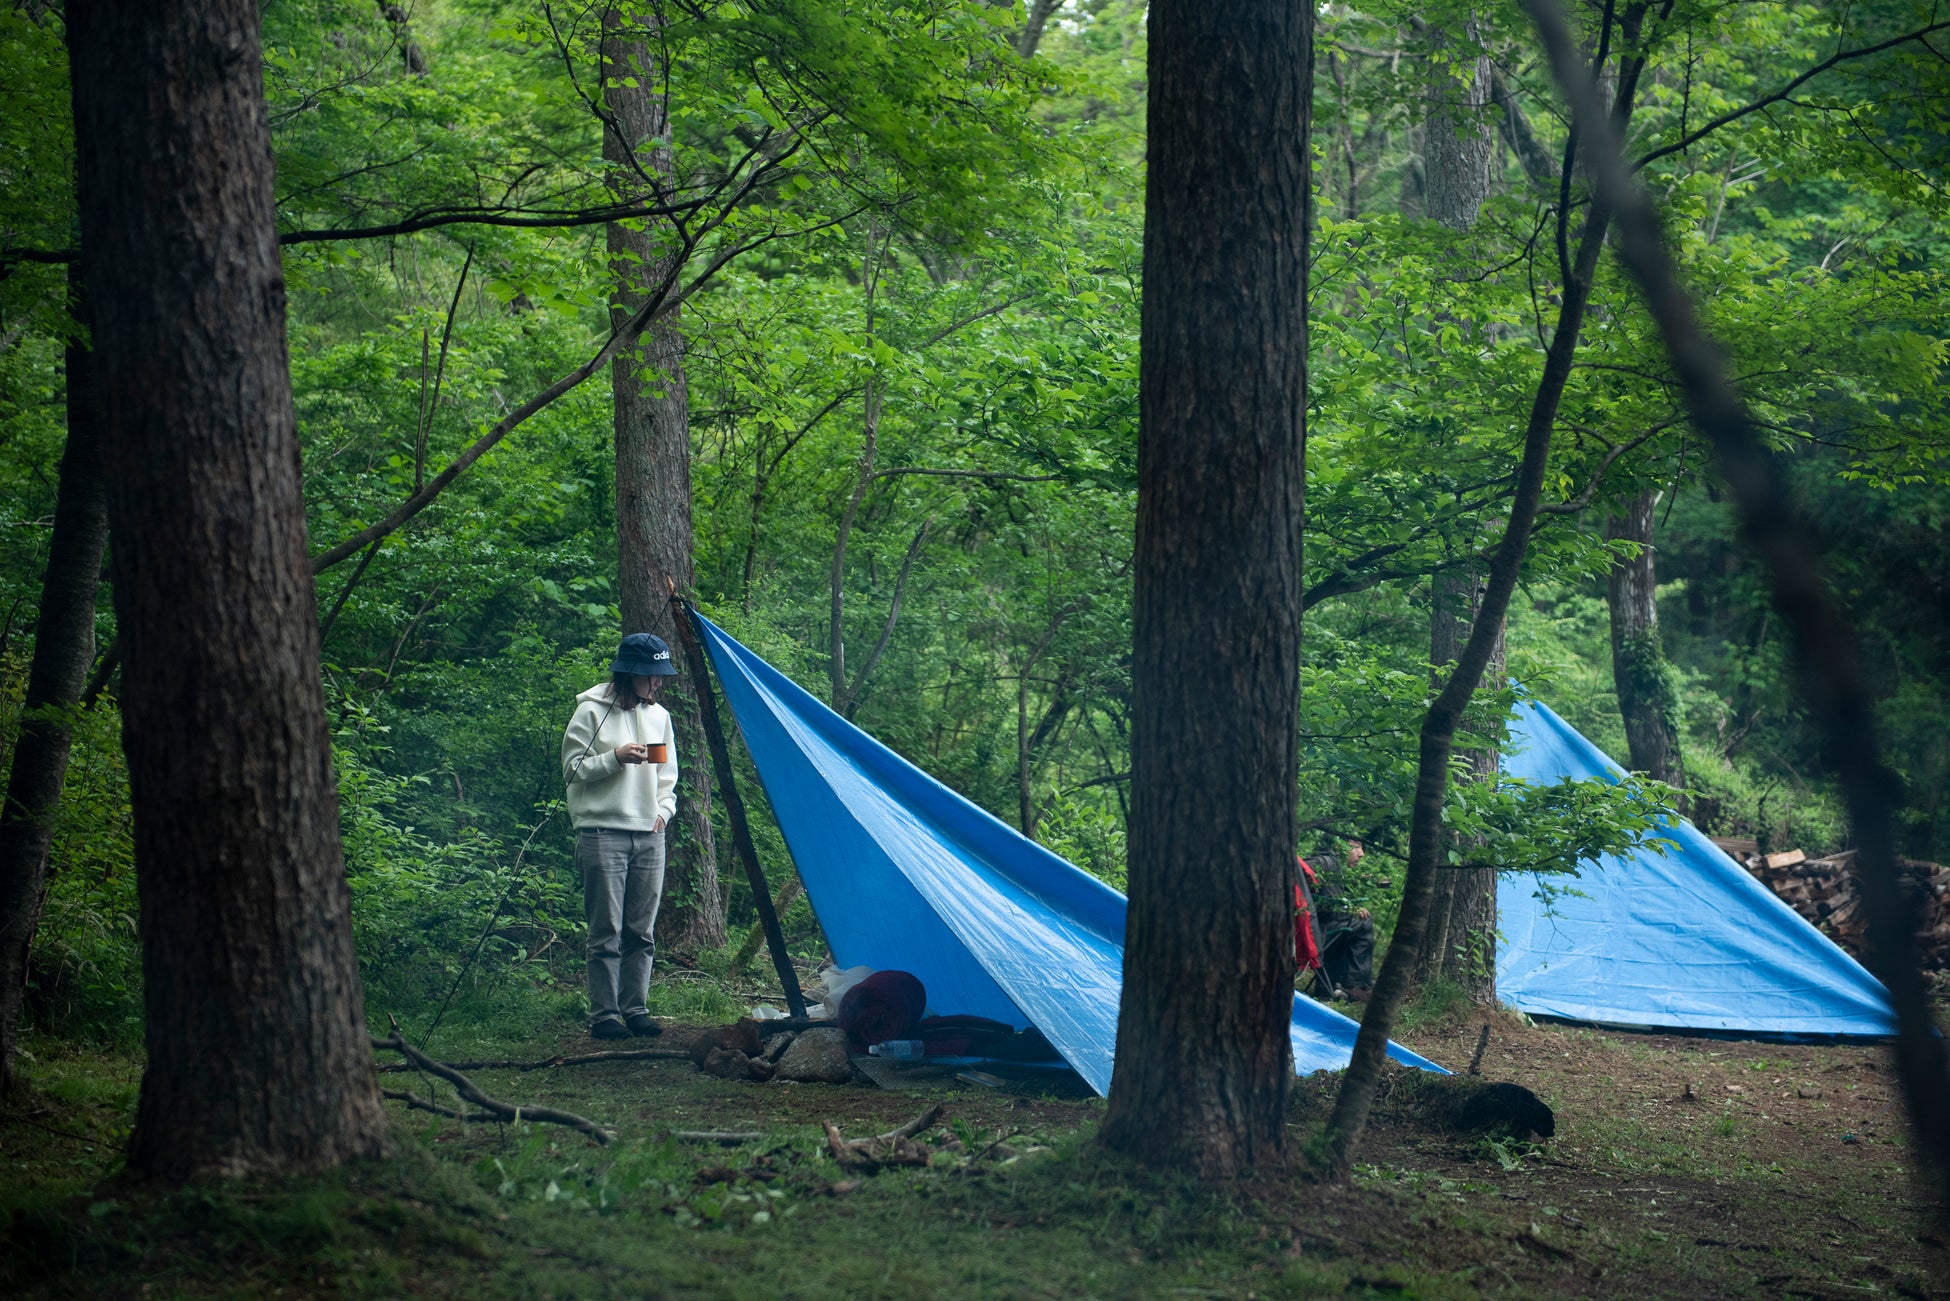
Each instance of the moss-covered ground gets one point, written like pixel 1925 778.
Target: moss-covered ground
pixel 1680 1168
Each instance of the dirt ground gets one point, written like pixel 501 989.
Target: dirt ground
pixel 1681 1167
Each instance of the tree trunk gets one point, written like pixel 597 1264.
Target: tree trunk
pixel 1034 21
pixel 64 648
pixel 1647 698
pixel 653 469
pixel 1356 1097
pixel 1457 138
pixel 1461 943
pixel 1204 1062
pixel 259 1058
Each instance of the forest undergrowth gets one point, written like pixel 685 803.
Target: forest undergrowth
pixel 1681 1167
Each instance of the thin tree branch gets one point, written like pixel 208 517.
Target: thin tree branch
pixel 1694 137
pixel 1583 499
pixel 504 1112
pixel 967 474
pixel 1829 668
pixel 657 305
pixel 893 616
pixel 346 591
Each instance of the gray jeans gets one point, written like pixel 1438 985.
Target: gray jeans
pixel 622 884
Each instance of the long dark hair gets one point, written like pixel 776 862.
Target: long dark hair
pixel 622 691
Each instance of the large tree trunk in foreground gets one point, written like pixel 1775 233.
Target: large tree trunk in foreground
pixel 64 647
pixel 259 1059
pixel 1204 1063
pixel 1461 944
pixel 1456 147
pixel 1827 661
pixel 1646 698
pixel 653 473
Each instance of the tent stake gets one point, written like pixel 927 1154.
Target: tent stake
pixel 734 806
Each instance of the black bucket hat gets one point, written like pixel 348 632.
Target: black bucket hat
pixel 644 653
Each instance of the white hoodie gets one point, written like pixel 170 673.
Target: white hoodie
pixel 603 790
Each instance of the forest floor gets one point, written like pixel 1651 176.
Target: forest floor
pixel 1681 1168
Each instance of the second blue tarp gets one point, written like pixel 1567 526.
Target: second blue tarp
pixel 1684 941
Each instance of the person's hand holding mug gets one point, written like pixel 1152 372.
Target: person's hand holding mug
pixel 631 752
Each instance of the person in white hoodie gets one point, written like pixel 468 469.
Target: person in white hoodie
pixel 619 758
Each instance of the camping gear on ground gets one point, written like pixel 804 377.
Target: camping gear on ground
pixel 977 1036
pixel 905 874
pixel 836 982
pixel 1687 941
pixel 886 1005
pixel 899 1050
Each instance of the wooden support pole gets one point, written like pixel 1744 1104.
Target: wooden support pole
pixel 734 806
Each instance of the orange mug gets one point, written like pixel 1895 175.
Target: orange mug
pixel 659 751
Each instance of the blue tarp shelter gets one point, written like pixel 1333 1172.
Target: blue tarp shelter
pixel 1687 941
pixel 906 874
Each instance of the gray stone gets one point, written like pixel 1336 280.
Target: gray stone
pixel 775 1046
pixel 817 1057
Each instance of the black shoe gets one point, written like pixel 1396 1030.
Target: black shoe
pixel 609 1028
pixel 644 1026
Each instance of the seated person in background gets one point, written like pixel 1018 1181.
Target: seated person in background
pixel 1347 934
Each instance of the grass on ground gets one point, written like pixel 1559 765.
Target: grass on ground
pixel 1681 1168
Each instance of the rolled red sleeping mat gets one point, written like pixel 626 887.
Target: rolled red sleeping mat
pixel 886 1005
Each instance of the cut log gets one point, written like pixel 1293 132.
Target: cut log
pixel 1786 858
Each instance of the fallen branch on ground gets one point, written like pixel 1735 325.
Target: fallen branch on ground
pixel 414 1102
pixel 910 1129
pixel 728 1137
pixel 491 1109
pixel 582 1059
pixel 895 1147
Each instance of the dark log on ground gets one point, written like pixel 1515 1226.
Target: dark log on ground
pixel 1473 1107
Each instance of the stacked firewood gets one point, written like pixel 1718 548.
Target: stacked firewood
pixel 1823 891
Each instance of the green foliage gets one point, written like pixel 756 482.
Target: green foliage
pixel 891 226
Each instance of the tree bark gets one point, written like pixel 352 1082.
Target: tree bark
pixel 258 1056
pixel 1646 697
pixel 1457 141
pixel 653 465
pixel 1034 21
pixel 1457 136
pixel 64 648
pixel 1204 1062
